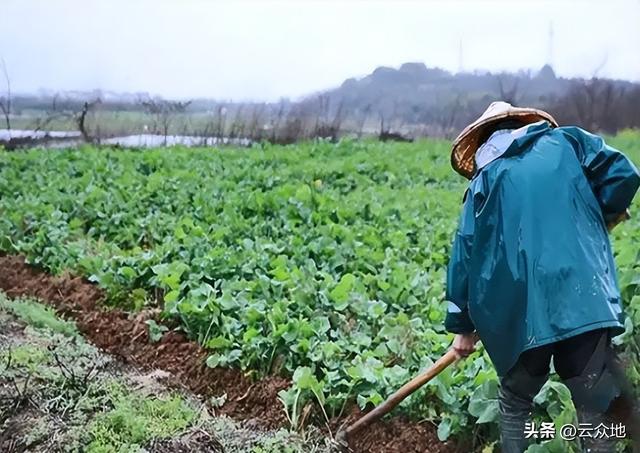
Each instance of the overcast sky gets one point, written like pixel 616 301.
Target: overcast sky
pixel 266 49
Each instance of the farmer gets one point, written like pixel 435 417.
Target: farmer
pixel 531 270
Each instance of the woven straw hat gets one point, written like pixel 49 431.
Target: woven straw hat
pixel 467 143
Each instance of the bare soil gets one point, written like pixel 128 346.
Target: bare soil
pixel 126 336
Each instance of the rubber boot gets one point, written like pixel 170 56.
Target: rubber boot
pixel 594 394
pixel 626 410
pixel 589 444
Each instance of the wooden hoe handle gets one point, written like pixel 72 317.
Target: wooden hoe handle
pixel 395 399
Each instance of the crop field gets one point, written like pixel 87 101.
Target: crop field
pixel 320 263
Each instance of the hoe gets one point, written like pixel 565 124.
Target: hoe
pixel 342 437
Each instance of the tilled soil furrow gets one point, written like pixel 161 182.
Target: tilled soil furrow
pixel 126 337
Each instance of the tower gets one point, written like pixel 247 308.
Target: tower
pixel 550 45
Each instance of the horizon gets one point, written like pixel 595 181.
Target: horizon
pixel 211 50
pixel 45 92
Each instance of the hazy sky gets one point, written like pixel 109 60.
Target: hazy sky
pixel 266 49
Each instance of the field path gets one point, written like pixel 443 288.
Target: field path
pixel 126 337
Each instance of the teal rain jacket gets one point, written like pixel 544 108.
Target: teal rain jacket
pixel 531 262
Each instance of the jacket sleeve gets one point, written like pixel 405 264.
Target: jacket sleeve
pixel 612 176
pixel 457 292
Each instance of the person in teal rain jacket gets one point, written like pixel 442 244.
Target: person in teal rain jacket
pixel 531 271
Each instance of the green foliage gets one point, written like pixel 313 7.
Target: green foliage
pixel 80 400
pixel 38 315
pixel 239 438
pixel 156 331
pixel 305 386
pixel 134 420
pixel 321 261
pixel 25 356
pixel 54 370
pixel 484 402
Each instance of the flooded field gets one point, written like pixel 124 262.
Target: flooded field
pixel 6 134
pixel 66 139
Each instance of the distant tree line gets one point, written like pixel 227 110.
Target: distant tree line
pixel 389 104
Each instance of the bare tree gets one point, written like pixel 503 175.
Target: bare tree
pixel 292 129
pixel 238 125
pixel 508 93
pixel 386 135
pixel 5 101
pixel 78 116
pixel 50 115
pixel 322 116
pixel 277 122
pixel 362 120
pixel 81 117
pixel 383 130
pixel 447 116
pixel 595 104
pixel 218 123
pixel 325 120
pixel 255 127
pixel 336 124
pixel 163 113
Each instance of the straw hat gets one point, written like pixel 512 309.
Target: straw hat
pixel 467 143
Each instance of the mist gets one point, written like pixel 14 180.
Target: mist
pixel 244 50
